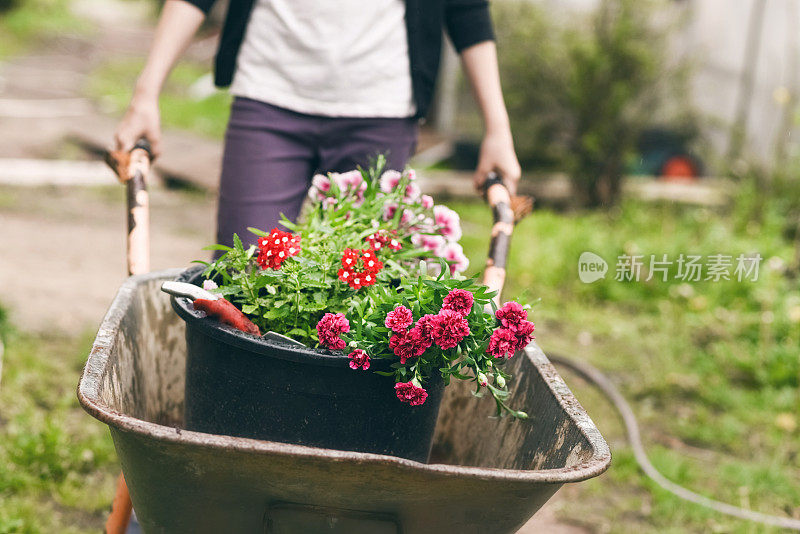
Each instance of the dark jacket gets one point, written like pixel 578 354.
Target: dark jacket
pixel 467 22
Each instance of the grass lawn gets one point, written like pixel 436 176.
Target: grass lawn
pixel 35 19
pixel 711 368
pixel 57 465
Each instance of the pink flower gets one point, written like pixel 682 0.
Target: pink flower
pixel 448 222
pixel 208 285
pixel 320 185
pixel 412 174
pixel 524 333
pixel 454 254
pixel 511 315
pixel 405 346
pixel 351 184
pixel 448 328
pixel 502 342
pixel 428 242
pixel 389 209
pixel 410 393
pixel 321 182
pixel 330 327
pixel 459 300
pixel 412 193
pixel 359 359
pixel 422 333
pixel 399 319
pixel 426 201
pixel 389 180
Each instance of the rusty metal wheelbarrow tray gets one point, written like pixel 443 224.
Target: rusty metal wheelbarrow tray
pixel 485 475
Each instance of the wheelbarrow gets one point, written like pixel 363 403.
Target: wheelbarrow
pixel 486 474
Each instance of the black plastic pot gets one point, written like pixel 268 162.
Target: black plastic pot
pixel 241 385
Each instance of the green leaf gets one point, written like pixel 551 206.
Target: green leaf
pixel 260 233
pixel 217 247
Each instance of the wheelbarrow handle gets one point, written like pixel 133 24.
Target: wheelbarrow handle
pixel 132 169
pixel 498 197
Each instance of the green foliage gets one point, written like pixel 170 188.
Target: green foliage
pixel 291 300
pixel 579 94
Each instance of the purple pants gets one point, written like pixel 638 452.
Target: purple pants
pixel 271 154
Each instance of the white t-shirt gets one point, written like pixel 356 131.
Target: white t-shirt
pixel 345 58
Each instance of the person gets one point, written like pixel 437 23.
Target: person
pixel 322 87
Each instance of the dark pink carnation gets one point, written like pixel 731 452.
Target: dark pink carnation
pixel 459 300
pixel 410 393
pixel 502 342
pixel 511 314
pixel 406 344
pixel 359 359
pixel 448 328
pixel 399 319
pixel 425 326
pixel 422 333
pixel 330 327
pixel 524 334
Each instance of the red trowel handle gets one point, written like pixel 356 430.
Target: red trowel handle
pixel 227 314
pixel 213 305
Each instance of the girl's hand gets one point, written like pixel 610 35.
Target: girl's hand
pixel 497 155
pixel 141 120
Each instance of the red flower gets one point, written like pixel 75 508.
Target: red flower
pixel 502 342
pixel 405 345
pixel 425 327
pixel 410 393
pixel 330 327
pixel 459 300
pixel 511 314
pixel 275 248
pixel 422 333
pixel 381 238
pixel 448 328
pixel 524 334
pixel 399 319
pixel 359 267
pixel 359 359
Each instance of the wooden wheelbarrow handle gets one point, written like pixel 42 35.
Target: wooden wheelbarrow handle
pixel 131 169
pixel 507 210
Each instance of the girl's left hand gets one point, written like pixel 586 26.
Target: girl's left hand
pixel 497 155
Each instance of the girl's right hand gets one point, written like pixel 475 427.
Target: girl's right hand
pixel 141 120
